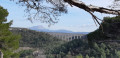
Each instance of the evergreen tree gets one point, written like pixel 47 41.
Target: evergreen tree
pixel 111 55
pixel 68 55
pixel 50 56
pixel 8 40
pixel 107 52
pixel 103 54
pixel 92 57
pixel 62 54
pixel 79 56
pixel 86 56
pixel 96 47
pixel 59 56
pixel 118 54
pixel 103 45
pixel 115 53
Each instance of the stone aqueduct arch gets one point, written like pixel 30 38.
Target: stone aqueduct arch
pixel 67 36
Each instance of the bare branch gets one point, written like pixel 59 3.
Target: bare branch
pixel 92 8
pixel 49 14
pixel 47 11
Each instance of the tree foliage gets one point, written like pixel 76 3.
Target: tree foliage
pixel 110 30
pixel 82 51
pixel 86 56
pixel 8 41
pixel 25 53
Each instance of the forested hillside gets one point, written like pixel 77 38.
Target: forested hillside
pixel 34 39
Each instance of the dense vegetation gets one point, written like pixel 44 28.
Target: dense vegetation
pixel 80 49
pixel 110 30
pixel 70 46
pixel 8 41
pixel 26 53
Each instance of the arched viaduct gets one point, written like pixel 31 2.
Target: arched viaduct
pixel 67 36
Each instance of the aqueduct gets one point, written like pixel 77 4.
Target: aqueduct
pixel 67 36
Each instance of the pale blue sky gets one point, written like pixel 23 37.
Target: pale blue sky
pixel 76 20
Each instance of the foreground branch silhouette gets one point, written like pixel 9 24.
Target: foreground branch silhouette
pixel 50 13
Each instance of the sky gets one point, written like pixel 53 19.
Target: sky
pixel 76 19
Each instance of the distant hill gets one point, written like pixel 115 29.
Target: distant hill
pixel 42 29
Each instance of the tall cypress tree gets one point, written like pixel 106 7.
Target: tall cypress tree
pixel 8 41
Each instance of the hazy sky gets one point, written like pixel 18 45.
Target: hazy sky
pixel 76 20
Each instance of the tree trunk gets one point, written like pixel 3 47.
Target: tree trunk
pixel 1 54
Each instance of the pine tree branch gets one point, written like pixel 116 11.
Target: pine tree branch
pixel 92 8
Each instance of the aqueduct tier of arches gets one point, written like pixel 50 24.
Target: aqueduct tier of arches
pixel 67 36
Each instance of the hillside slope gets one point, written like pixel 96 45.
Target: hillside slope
pixel 35 39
